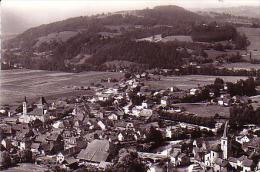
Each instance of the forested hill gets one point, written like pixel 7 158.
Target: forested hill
pixel 94 40
pixel 161 15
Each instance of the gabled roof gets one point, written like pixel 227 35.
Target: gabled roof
pixel 70 160
pixel 232 159
pixel 247 162
pixel 96 151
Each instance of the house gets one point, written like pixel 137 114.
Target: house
pixel 97 151
pixel 222 165
pixel 183 159
pixel 211 156
pixel 194 91
pixel 24 139
pixel 101 125
pixel 113 117
pixel 71 162
pixel 120 137
pixel 104 165
pixel 244 138
pixel 174 158
pixel 179 159
pixel 224 100
pixel 252 146
pixel 146 113
pixel 7 144
pixel 164 101
pixel 136 110
pixel 120 125
pixel 245 164
pixel 61 156
pixel 147 104
pixel 54 144
pixel 35 148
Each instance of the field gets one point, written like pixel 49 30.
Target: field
pixel 213 54
pixel 253 35
pixel 241 66
pixel 181 38
pixel 61 36
pixel 158 38
pixel 189 81
pixel 204 110
pixel 15 84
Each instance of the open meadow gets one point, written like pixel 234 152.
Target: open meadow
pixel 189 81
pixel 15 84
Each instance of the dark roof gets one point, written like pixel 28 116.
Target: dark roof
pixel 216 148
pixel 247 162
pixel 70 160
pixel 232 159
pixel 41 101
pixel 221 162
pixel 37 112
pixel 96 151
pixel 53 136
pixel 25 100
pixel 71 151
pixel 242 158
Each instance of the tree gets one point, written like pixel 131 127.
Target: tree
pixel 155 136
pixel 218 81
pixel 241 41
pixel 128 161
pixel 25 155
pixel 5 160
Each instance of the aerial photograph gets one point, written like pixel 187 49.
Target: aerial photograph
pixel 130 85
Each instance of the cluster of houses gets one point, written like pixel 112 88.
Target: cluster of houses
pixel 88 130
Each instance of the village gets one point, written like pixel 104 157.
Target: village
pixel 132 126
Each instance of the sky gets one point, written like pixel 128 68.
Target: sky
pixel 19 15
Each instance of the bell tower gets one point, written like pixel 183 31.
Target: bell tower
pixel 224 142
pixel 25 106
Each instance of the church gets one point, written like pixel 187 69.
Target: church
pixel 40 111
pixel 219 155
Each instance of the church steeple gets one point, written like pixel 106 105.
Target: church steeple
pixel 225 130
pixel 25 106
pixel 224 142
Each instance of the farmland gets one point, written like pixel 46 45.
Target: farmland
pixel 253 35
pixel 189 81
pixel 241 66
pixel 205 110
pixel 15 84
